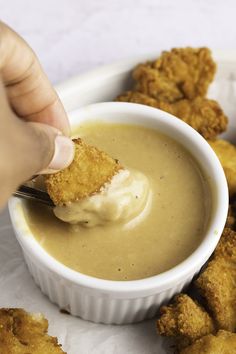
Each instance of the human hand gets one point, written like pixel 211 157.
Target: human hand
pixel 33 120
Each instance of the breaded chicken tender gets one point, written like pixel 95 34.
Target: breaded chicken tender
pixel 90 170
pixel 222 343
pixel 226 153
pixel 153 83
pixel 176 74
pixel 231 220
pixel 24 333
pixel 185 320
pixel 226 248
pixel 141 98
pixel 217 282
pixel 202 114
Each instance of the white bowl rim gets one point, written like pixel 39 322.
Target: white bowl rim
pixel 158 282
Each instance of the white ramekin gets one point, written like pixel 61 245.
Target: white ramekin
pixel 120 302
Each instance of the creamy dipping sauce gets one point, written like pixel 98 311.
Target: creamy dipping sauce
pixel 172 228
pixel 125 199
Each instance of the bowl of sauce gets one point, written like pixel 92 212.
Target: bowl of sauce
pixel 142 242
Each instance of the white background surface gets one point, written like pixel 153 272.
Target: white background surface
pixel 71 37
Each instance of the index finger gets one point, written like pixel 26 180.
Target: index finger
pixel 29 91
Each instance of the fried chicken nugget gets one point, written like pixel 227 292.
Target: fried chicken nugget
pixel 179 73
pixel 23 333
pixel 217 282
pixel 222 343
pixel 185 320
pixel 141 98
pixel 202 114
pixel 226 153
pixel 230 222
pixel 153 83
pixel 87 174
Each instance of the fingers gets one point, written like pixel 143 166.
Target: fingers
pixel 26 148
pixel 50 151
pixel 35 143
pixel 32 149
pixel 29 91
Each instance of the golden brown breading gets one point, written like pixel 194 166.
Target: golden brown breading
pixel 204 115
pixel 179 73
pixel 217 286
pixel 217 282
pixel 153 83
pixel 222 343
pixel 87 174
pixel 138 97
pixel 226 153
pixel 230 222
pixel 226 247
pixel 185 319
pixel 24 333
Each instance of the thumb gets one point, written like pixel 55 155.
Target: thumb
pixel 41 149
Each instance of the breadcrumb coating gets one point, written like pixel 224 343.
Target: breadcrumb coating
pixel 217 282
pixel 231 220
pixel 176 74
pixel 222 343
pixel 138 97
pixel 185 320
pixel 153 83
pixel 226 153
pixel 90 170
pixel 202 114
pixel 25 333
